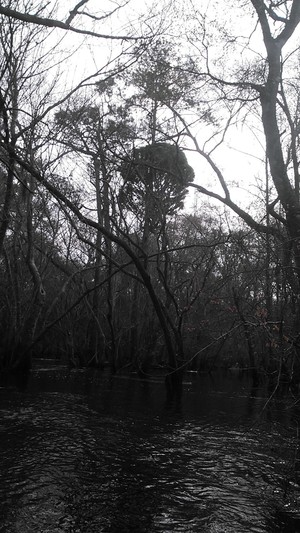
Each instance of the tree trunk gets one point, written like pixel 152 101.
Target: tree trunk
pixel 269 100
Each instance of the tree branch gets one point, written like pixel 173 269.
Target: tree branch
pixel 74 11
pixel 53 23
pixel 260 228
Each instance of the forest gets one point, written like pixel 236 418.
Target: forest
pixel 149 193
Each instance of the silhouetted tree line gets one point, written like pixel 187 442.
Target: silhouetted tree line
pixel 100 263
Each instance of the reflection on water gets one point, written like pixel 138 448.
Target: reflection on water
pixel 82 453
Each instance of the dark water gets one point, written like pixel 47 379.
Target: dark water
pixel 83 453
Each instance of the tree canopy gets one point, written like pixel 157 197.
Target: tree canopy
pixel 159 174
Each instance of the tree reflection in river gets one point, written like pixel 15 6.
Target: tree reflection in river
pixel 84 453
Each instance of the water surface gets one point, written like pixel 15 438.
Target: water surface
pixel 81 452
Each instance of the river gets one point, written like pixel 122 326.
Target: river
pixel 82 452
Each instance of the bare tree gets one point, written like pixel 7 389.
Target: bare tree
pixel 253 89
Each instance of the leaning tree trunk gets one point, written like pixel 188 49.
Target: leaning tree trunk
pixel 170 342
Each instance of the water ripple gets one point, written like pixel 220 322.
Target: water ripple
pixel 70 466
